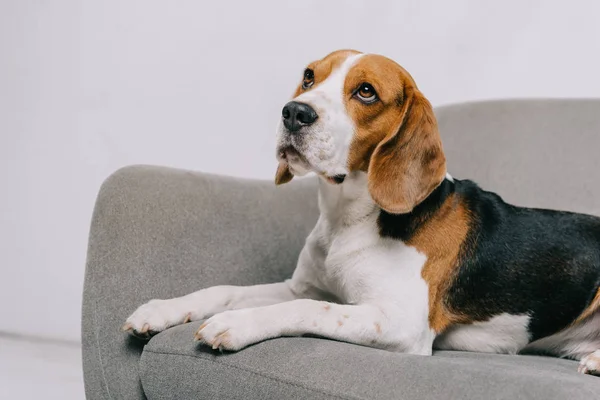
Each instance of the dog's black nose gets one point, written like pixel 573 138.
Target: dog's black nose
pixel 296 115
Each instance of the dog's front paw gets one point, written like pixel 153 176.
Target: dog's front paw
pixel 156 316
pixel 232 330
pixel 590 364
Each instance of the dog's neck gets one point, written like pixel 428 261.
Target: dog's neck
pixel 350 202
pixel 404 226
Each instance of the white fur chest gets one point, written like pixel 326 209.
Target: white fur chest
pixel 353 262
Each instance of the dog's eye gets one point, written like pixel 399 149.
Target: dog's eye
pixel 366 93
pixel 309 78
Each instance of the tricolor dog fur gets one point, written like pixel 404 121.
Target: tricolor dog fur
pixel 403 256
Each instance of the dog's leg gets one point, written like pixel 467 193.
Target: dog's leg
pixel 158 315
pixel 367 325
pixel 590 364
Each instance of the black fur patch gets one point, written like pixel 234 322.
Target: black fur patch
pixel 515 260
pixel 404 226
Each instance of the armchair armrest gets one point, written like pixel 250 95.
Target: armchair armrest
pixel 159 233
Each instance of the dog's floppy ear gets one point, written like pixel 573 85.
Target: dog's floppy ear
pixel 409 163
pixel 283 174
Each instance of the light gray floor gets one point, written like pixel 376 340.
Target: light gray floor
pixel 39 369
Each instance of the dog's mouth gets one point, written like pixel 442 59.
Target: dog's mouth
pixel 297 163
pixel 336 179
pixel 288 152
pixel 291 156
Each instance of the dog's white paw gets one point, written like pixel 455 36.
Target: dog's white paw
pixel 156 316
pixel 590 364
pixel 232 330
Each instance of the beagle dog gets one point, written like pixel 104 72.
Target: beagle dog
pixel 403 256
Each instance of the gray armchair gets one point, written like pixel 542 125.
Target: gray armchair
pixel 160 233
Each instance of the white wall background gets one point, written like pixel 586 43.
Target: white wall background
pixel 89 86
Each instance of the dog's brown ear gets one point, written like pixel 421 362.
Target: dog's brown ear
pixel 283 174
pixel 409 163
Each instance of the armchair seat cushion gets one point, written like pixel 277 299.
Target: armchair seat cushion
pixel 173 366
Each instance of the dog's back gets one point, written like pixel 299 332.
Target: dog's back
pixel 527 266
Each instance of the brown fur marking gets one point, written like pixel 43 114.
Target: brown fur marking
pixel 591 309
pixel 441 239
pixel 323 68
pixel 283 174
pixel 397 140
pixel 373 121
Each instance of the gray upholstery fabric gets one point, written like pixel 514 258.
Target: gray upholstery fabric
pixel 534 153
pixel 159 233
pixel 174 367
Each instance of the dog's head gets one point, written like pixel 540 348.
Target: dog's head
pixel 362 112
